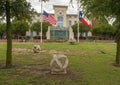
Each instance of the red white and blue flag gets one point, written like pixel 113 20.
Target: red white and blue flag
pixel 49 18
pixel 82 19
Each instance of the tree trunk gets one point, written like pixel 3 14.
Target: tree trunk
pixel 8 35
pixel 118 45
pixel 118 52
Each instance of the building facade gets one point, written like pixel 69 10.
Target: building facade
pixel 63 17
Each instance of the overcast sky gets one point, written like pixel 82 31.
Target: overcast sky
pixel 48 6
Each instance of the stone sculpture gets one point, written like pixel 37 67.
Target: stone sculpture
pixel 36 48
pixel 59 64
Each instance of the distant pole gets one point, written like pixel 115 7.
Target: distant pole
pixel 78 34
pixel 41 21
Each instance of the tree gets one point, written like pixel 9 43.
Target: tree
pixel 37 28
pixel 82 28
pixel 19 28
pixel 104 31
pixel 8 35
pixel 20 9
pixel 101 8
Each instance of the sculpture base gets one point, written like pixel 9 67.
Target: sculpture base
pixel 59 72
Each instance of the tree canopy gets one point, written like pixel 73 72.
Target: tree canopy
pixel 20 9
pixel 36 27
pixel 102 7
pixel 19 27
pixel 82 28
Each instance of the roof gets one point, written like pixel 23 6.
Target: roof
pixel 60 6
pixel 69 10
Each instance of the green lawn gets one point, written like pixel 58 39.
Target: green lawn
pixel 89 64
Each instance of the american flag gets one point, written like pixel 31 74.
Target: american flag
pixel 48 18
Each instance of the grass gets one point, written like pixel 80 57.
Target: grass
pixel 89 64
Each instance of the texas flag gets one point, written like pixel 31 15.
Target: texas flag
pixel 82 19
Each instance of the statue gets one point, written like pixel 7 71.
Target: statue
pixel 36 48
pixel 59 64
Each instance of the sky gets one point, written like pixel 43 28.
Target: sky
pixel 48 6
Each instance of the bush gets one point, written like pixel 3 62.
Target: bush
pixel 27 38
pixel 93 37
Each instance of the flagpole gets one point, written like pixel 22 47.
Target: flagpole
pixel 78 22
pixel 41 22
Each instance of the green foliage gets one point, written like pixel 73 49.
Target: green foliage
pixel 104 30
pixel 2 29
pixel 82 28
pixel 101 8
pixel 37 27
pixel 19 27
pixel 115 8
pixel 116 25
pixel 2 7
pixel 21 9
